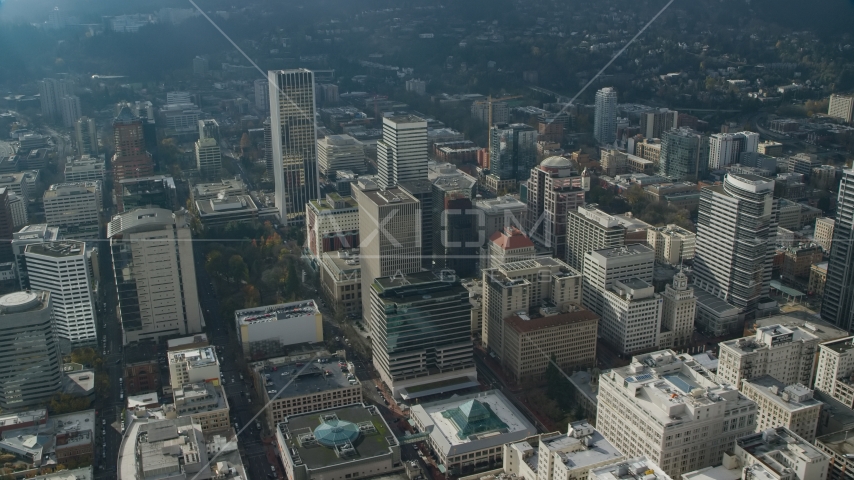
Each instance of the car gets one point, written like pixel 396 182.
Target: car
pixel 273 468
pixel 103 421
pixel 118 361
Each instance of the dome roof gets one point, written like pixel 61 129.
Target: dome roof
pixel 336 432
pixel 556 162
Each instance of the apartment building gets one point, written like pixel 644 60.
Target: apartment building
pixel 673 244
pixel 835 372
pixel 785 353
pixel 824 232
pixel 790 406
pixel 668 407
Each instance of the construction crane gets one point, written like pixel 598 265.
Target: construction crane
pixel 489 102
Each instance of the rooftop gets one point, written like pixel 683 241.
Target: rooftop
pixel 839 346
pixel 624 251
pixel 336 436
pixel 316 377
pixel 639 468
pixel 792 397
pixel 803 320
pixel 65 248
pixel 199 339
pixel 84 473
pixel 769 445
pixel 195 357
pixel 276 313
pixel 511 239
pixel 525 324
pixel 582 446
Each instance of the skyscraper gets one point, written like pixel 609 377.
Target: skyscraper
pixel 684 154
pixel 605 116
pixel 837 306
pixel 421 331
pixel 75 208
pixel 402 152
pixel 588 229
pixel 86 136
pixel 51 92
pixel 155 277
pixel 268 148
pixel 725 148
pixel 554 189
pixel 131 160
pixel 512 150
pixel 455 242
pixel 390 234
pixel 654 124
pixel 736 228
pixel 294 145
pixel 841 107
pixel 30 362
pixel 69 107
pixel 262 95
pixel 63 269
pixel 6 225
pixel 677 312
pixel 208 153
pixel 340 152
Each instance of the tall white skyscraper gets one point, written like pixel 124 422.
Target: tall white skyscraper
pixel 736 228
pixel 402 152
pixel 69 106
pixel 294 135
pixel 605 117
pixel 838 303
pixel 724 148
pixel 63 269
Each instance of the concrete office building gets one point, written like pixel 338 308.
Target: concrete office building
pixel 632 316
pixel 208 153
pixel 837 306
pixel 70 109
pixel 679 306
pixel 86 136
pixel 131 159
pixel 633 468
pixel 684 154
pixel 785 353
pixel 498 214
pixel 343 442
pixel 725 148
pixel 402 152
pixel 205 402
pixel 824 233
pixel 304 382
pixel 294 141
pixel 554 189
pixel 560 456
pixel 421 333
pixel 512 151
pixel 672 243
pixel 602 268
pixel 20 216
pixel 64 270
pixel 152 253
pixel 192 365
pixel 508 246
pixel 468 431
pixel 30 361
pixel 668 407
pixel 51 91
pixel 262 95
pixel 266 331
pixel 781 405
pixel 219 212
pixel 341 281
pixel 588 229
pixel 84 168
pixel 332 224
pixel 736 228
pixel 28 235
pixel 841 107
pixel 155 448
pixel 524 286
pixel 227 186
pixel 75 208
pixel 393 218
pixel 654 124
pixel 340 152
pixel 605 116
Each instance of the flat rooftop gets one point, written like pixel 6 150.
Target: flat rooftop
pixel 66 248
pixel 803 320
pixel 574 455
pixel 197 357
pixel 317 377
pixel 374 437
pixel 766 445
pixel 840 346
pixel 392 196
pixel 276 313
pixel 529 324
pixel 799 396
pixel 624 251
pixel 200 339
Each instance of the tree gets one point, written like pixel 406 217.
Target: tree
pixel 293 282
pixel 237 269
pixel 245 142
pixel 65 403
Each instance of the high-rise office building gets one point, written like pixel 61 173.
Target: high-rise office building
pixel 30 361
pixel 654 124
pixel 131 159
pixel 7 223
pixel 736 228
pixel 455 242
pixel 512 150
pixel 340 152
pixel 152 252
pixel 294 141
pixel 69 107
pixel 605 116
pixel 684 154
pixel 841 106
pixel 75 208
pixel 390 234
pixel 30 234
pixel 725 148
pixel 64 269
pixel 588 229
pixel 262 95
pixel 669 408
pixel 86 136
pixel 672 243
pixel 51 92
pixel 402 152
pixel 422 191
pixel 421 331
pixel 837 306
pixel 554 189
pixel 208 153
pixel 268 148
pixel 678 310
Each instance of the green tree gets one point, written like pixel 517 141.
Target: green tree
pixel 237 269
pixel 293 282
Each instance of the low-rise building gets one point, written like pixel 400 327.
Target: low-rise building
pixel 155 448
pixel 823 234
pixel 640 468
pixel 84 168
pixel 337 443
pixel 220 211
pixel 818 277
pixel 265 332
pixel 306 381
pixel 205 402
pixel 46 440
pixel 782 454
pixel 228 186
pixel 141 370
pixel 467 432
pixel 340 152
pixel 192 366
pixel 560 456
pixel 790 406
pixel 798 261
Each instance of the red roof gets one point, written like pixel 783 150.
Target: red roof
pixel 511 239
